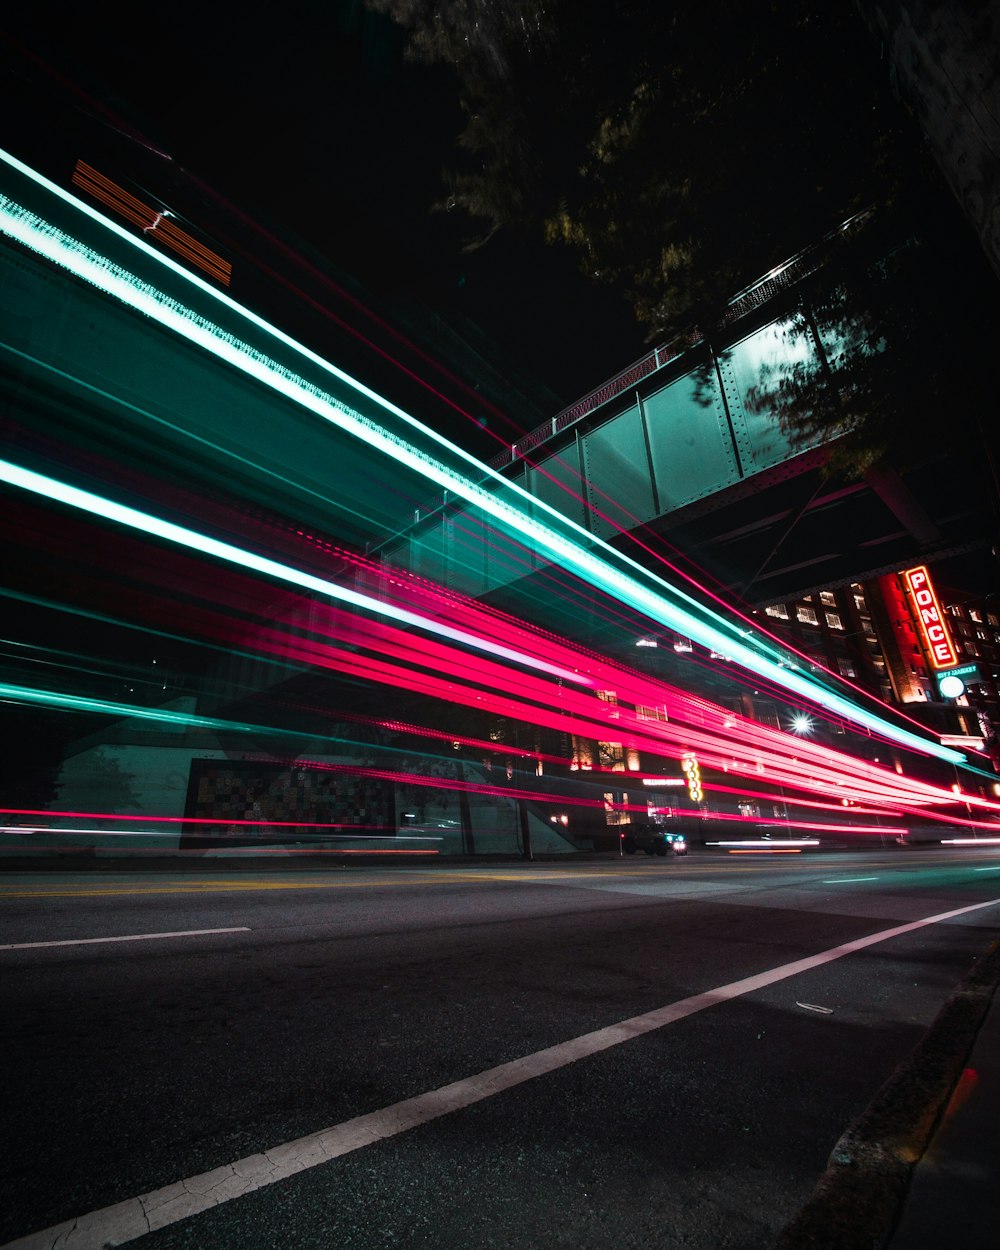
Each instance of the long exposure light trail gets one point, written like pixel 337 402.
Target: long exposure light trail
pixel 355 835
pixel 730 742
pixel 323 827
pixel 156 527
pixel 722 738
pixel 581 497
pixel 560 539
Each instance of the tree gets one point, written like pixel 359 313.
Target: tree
pixel 903 360
pixel 680 150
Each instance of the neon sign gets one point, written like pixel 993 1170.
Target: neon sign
pixel 937 640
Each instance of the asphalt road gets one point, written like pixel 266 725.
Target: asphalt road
pixel 280 1005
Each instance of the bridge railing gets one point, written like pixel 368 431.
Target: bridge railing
pixel 621 382
pixel 760 292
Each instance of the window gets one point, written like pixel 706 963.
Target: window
pixel 779 610
pixel 834 621
pixel 993 619
pixel 583 755
pixel 611 756
pixel 955 610
pixel 846 668
pixel 976 616
pixel 807 615
pixel 652 713
pixel 970 648
pixel 828 597
pixel 859 603
pixel 614 813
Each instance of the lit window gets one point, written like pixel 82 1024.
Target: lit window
pixel 955 610
pixel 651 713
pixel 834 621
pixel 859 603
pixel 976 616
pixel 779 610
pixel 611 757
pixel 846 668
pixel 807 615
pixel 828 597
pixel 613 808
pixel 583 755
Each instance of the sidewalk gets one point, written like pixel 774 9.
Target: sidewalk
pixel 920 1168
pixel 952 1200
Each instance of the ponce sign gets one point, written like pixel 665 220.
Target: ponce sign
pixel 930 618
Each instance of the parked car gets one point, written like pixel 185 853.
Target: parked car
pixel 653 839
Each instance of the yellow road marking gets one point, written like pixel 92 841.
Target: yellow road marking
pixel 413 877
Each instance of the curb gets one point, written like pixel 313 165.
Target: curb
pixel 858 1200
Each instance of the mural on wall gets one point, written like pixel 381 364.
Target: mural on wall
pixel 238 793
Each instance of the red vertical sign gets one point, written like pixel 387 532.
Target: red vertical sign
pixel 930 618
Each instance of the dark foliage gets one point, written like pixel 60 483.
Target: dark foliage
pixel 679 149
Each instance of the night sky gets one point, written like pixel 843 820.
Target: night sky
pixel 308 117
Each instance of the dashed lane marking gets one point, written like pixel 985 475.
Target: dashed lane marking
pixel 127 937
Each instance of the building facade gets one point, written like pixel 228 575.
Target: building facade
pixel 900 637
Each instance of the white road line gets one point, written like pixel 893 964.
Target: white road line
pixel 128 937
pixel 128 1220
pixel 847 880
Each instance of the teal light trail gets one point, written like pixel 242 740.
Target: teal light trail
pixel 105 707
pixel 132 518
pixel 561 540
